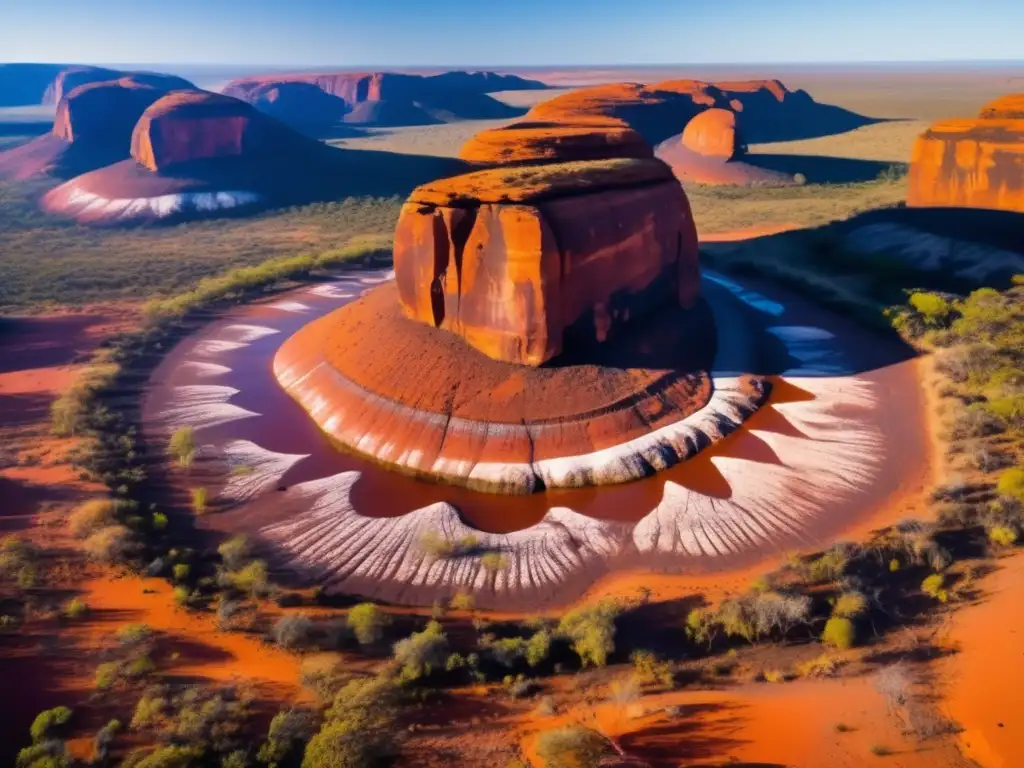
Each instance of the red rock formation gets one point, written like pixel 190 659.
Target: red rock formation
pixel 72 77
pixel 1009 107
pixel 103 112
pixel 969 163
pixel 553 142
pixel 714 133
pixel 188 126
pixel 514 260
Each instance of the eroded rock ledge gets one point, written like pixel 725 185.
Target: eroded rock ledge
pixel 463 418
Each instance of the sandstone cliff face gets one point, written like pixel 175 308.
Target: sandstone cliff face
pixel 188 126
pixel 714 133
pixel 557 251
pixel 72 77
pixel 970 164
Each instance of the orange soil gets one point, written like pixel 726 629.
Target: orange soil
pixel 759 724
pixel 982 682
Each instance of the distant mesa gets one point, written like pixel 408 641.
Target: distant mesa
pixel 972 163
pixel 382 98
pixel 32 84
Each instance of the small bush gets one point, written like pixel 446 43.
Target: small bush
pixel 1011 483
pixel 293 632
pixel 422 652
pixel 103 740
pixel 824 665
pixel 367 623
pixel 91 516
pixel 1002 536
pixel 850 605
pixel 234 552
pixel 648 668
pixel 48 721
pixel 181 571
pixel 591 631
pixel 107 675
pixel 289 730
pixel 199 501
pixel 253 578
pixel 936 310
pixel 111 545
pixel 159 521
pixel 76 609
pixel 141 666
pixel 538 647
pixel 494 562
pixel 182 446
pixel 839 633
pixel 571 747
pixel 935 586
pixel 463 601
pixel 182 597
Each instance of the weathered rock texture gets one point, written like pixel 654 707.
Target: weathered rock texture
pixel 189 126
pixel 515 260
pixel 970 164
pixel 386 98
pixel 104 112
pixel 714 133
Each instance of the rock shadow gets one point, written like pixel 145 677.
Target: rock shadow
pixel 821 169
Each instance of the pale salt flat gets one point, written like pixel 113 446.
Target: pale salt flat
pixel 253 469
pixel 203 405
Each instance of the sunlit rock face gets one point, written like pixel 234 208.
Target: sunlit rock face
pixel 189 126
pixel 515 261
pixel 1009 107
pixel 714 133
pixel 970 163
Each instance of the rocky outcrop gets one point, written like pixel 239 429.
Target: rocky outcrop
pixel 191 126
pixel 552 143
pixel 970 164
pixel 104 112
pixel 73 77
pixel 514 260
pixel 387 98
pixel 714 134
pixel 1009 107
pixel 23 85
pixel 298 103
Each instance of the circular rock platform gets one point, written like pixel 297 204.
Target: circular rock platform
pixel 421 400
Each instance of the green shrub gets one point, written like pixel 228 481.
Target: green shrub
pixel 289 730
pixel 422 652
pixel 107 675
pixel 1002 535
pixel 850 605
pixel 182 446
pixel 648 668
pixel 76 609
pixel 48 721
pixel 167 757
pixel 234 552
pixel 253 578
pixel 293 632
pixel 591 631
pixel 199 501
pixel 462 601
pixel 182 596
pixel 181 571
pixel 90 517
pixel 367 623
pixel 140 666
pixel 934 586
pixel 538 647
pixel 1011 483
pixel 358 730
pixel 134 635
pixel 839 633
pixel 936 310
pixel 111 545
pixel 159 521
pixel 571 747
pixel 493 562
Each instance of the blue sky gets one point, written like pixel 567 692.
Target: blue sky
pixel 507 32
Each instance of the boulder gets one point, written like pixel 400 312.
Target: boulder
pixel 1009 107
pixel 969 163
pixel 714 133
pixel 527 142
pixel 189 126
pixel 515 260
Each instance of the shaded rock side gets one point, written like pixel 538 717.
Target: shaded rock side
pixel 969 164
pixel 515 278
pixel 188 126
pixel 714 133
pixel 104 112
pixel 73 77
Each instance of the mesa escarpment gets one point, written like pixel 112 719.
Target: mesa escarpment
pixel 972 163
pixel 380 98
pixel 514 260
pixel 32 84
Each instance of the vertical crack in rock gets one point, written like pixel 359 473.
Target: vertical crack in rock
pixel 440 266
pixel 460 224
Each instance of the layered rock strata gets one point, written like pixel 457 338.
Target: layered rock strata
pixel 518 260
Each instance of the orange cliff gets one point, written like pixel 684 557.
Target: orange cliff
pixel 554 142
pixel 1010 106
pixel 515 259
pixel 969 163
